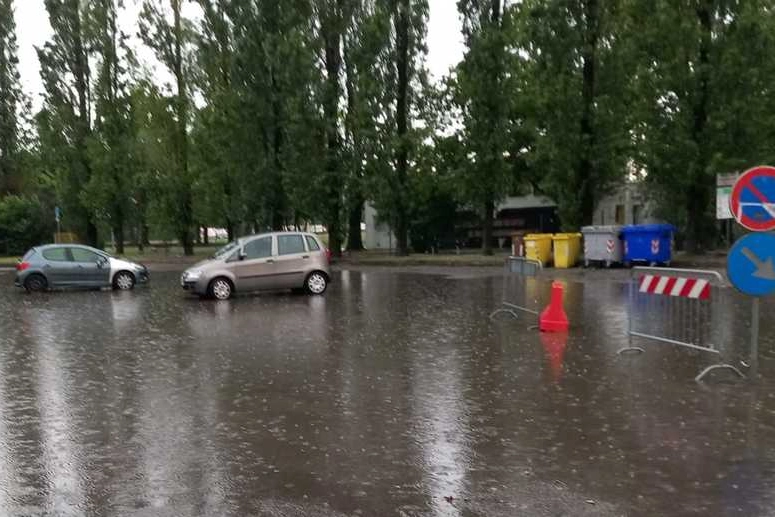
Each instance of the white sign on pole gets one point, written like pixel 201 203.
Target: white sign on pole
pixel 724 184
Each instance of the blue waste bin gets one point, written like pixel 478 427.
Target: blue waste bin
pixel 649 243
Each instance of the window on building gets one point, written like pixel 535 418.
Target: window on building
pixel 619 214
pixel 637 214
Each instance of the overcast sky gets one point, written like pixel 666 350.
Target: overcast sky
pixel 445 47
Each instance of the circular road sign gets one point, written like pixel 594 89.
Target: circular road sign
pixel 751 264
pixel 752 201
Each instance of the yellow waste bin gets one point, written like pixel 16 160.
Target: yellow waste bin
pixel 567 249
pixel 538 246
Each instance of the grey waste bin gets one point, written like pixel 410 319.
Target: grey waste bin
pixel 602 245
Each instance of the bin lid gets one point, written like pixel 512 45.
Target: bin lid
pixel 649 228
pixel 566 236
pixel 538 236
pixel 602 229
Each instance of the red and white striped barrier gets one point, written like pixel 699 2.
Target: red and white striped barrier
pixel 697 289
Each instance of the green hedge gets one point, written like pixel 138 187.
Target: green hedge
pixel 24 223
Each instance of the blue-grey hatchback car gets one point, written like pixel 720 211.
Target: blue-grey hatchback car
pixel 59 266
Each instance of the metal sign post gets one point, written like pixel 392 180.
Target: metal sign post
pixel 58 218
pixel 755 335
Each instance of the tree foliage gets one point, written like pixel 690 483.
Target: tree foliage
pixel 280 113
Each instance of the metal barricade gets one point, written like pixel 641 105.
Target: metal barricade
pixel 516 272
pixel 680 307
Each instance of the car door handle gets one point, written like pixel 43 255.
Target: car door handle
pixel 305 257
pixel 270 261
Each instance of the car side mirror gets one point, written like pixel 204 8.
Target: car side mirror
pixel 243 255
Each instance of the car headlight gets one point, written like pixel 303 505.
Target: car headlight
pixel 192 275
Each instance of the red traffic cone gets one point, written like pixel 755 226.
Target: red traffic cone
pixel 554 319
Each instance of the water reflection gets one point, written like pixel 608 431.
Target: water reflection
pixel 554 345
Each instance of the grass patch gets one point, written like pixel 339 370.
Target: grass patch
pixel 450 259
pixel 8 261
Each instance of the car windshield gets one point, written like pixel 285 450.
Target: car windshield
pixel 226 250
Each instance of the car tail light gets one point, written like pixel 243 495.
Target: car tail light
pixel 329 255
pixel 21 266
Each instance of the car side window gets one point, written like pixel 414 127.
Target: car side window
pixel 56 255
pixel 82 255
pixel 312 243
pixel 258 248
pixel 290 244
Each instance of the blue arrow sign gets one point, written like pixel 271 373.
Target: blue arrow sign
pixel 751 264
pixel 57 213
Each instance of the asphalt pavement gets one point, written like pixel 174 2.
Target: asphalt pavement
pixel 393 394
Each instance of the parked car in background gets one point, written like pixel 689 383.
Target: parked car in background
pixel 282 260
pixel 58 266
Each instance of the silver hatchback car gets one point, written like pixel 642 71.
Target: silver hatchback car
pixel 281 260
pixel 58 266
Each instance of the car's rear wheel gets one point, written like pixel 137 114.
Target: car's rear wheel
pixel 316 283
pixel 220 288
pixel 123 281
pixel 35 283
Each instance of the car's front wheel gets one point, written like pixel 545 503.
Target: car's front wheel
pixel 35 283
pixel 123 281
pixel 220 289
pixel 316 283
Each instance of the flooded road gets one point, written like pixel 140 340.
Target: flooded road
pixel 392 395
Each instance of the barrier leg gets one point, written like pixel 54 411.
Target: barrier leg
pixel 507 311
pixel 629 348
pixel 709 369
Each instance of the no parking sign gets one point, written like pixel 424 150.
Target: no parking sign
pixel 752 202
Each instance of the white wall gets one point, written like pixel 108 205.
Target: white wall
pixel 377 236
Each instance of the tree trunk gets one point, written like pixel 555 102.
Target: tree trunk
pixel 355 237
pixel 277 196
pixel 118 236
pixel 586 184
pixel 187 242
pixel 139 238
pixel 698 196
pixel 332 29
pixel 205 236
pixel 186 222
pixel 402 126
pixel 92 236
pixel 487 226
pixel 229 229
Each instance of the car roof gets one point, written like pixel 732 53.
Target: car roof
pixel 62 245
pixel 45 247
pixel 270 234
